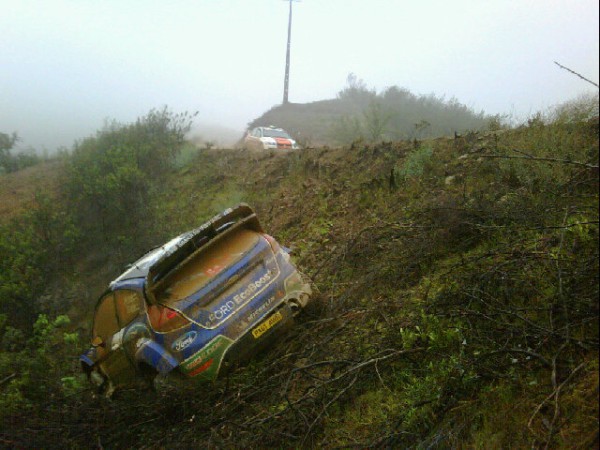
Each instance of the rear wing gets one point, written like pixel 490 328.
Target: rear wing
pixel 196 240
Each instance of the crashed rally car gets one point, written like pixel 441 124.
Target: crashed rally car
pixel 198 305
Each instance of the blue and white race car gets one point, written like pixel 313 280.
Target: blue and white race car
pixel 200 304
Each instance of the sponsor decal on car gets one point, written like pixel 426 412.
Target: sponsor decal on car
pixel 208 360
pixel 184 341
pixel 261 309
pixel 253 287
pixel 202 368
pixel 223 311
pixel 241 298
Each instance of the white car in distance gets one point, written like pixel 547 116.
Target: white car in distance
pixel 269 138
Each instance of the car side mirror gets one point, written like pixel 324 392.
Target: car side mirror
pixel 97 342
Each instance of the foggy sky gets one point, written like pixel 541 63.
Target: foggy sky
pixel 69 65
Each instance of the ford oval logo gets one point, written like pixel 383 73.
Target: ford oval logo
pixel 184 341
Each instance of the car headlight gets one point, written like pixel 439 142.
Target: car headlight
pixel 269 143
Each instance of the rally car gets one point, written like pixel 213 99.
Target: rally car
pixel 265 138
pixel 198 305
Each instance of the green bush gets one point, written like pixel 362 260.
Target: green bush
pixel 37 368
pixel 11 162
pixel 415 163
pixel 113 177
pixel 34 247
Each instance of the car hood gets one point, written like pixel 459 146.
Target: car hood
pixel 277 139
pixel 280 142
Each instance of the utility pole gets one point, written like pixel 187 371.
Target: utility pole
pixel 286 80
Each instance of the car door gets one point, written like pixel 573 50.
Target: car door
pixel 254 139
pixel 114 312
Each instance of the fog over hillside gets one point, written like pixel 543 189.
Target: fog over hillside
pixel 215 135
pixel 70 65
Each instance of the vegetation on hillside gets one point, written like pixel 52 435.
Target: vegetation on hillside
pixel 107 200
pixel 112 179
pixel 11 162
pixel 360 113
pixel 456 295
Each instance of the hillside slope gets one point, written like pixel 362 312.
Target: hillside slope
pixel 18 190
pixel 361 114
pixel 456 303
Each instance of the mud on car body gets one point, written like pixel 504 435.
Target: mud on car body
pixel 199 304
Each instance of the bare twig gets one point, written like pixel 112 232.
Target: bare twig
pixel 338 395
pixel 559 274
pixel 538 158
pixel 518 350
pixel 7 379
pixel 556 392
pixel 387 354
pixel 548 227
pixel 577 74
pixel 381 379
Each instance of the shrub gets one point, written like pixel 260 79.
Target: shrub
pixel 415 163
pixel 36 369
pixel 112 178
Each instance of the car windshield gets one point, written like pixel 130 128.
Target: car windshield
pixel 205 266
pixel 275 132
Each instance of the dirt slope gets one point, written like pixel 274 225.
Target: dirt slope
pixel 455 303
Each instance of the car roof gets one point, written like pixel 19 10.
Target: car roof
pixel 271 127
pixel 139 269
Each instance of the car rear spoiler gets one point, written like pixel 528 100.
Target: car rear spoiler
pixel 196 240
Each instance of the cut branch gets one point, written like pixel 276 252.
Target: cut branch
pixel 7 379
pixel 537 158
pixel 575 73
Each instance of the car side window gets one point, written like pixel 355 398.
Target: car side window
pixel 105 320
pixel 129 305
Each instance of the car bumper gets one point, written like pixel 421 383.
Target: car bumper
pixel 257 338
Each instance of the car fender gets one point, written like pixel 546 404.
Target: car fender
pixel 153 354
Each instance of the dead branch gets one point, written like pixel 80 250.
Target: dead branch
pixel 548 227
pixel 7 379
pixel 559 271
pixel 391 353
pixel 554 393
pixel 577 74
pixel 543 360
pixel 329 403
pixel 539 158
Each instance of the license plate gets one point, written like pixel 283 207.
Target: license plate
pixel 263 327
